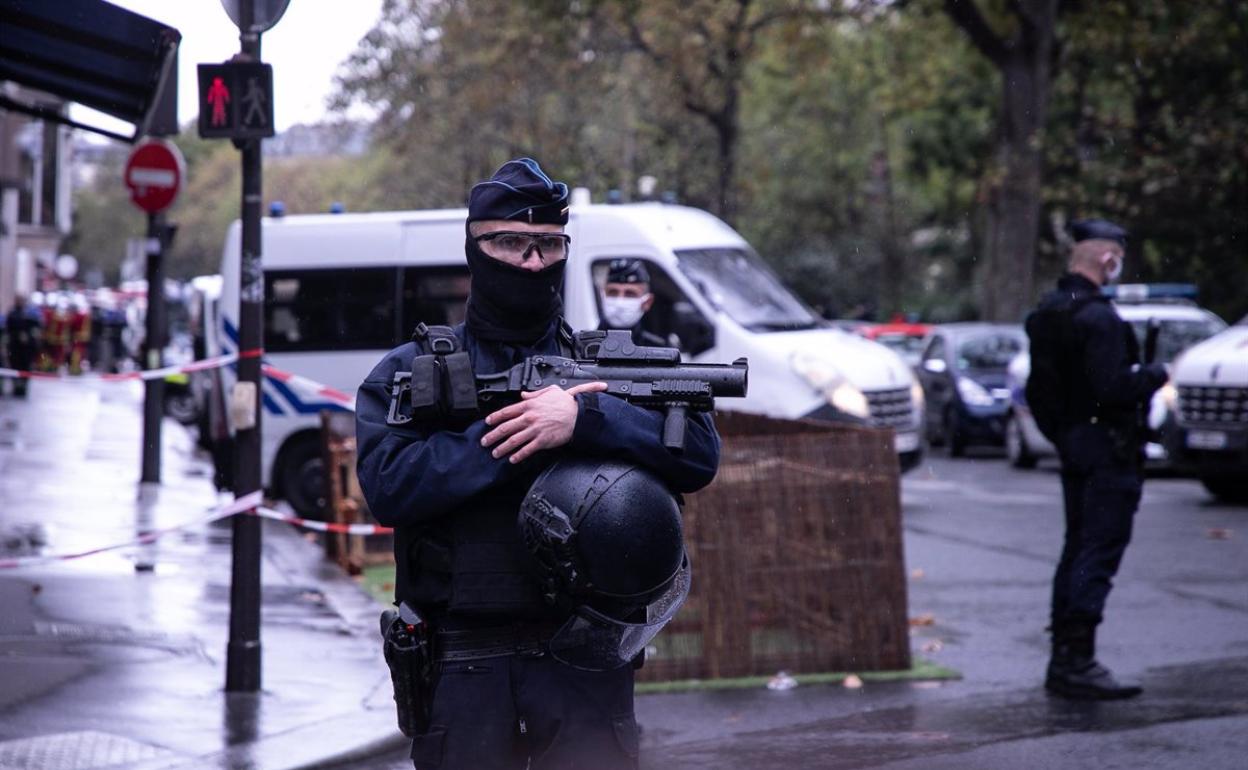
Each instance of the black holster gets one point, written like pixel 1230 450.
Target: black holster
pixel 405 645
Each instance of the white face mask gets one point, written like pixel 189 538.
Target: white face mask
pixel 623 312
pixel 1114 265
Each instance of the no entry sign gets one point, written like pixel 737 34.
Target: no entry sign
pixel 154 174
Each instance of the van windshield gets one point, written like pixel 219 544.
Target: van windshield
pixel 737 282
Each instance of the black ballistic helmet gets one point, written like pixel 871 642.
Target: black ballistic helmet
pixel 607 543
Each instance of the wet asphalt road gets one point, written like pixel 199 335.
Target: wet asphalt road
pixel 981 540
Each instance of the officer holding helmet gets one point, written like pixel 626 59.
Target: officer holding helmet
pixel 1086 389
pixel 524 672
pixel 626 299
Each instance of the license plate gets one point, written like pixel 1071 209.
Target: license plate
pixel 907 442
pixel 1206 439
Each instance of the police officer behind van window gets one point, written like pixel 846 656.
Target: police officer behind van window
pixel 626 299
pixel 1087 389
pixel 452 487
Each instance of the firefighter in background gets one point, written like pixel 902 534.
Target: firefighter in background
pixel 56 336
pixel 79 336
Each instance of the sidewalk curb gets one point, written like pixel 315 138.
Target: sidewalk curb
pixel 293 749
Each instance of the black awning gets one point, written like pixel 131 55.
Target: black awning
pixel 89 52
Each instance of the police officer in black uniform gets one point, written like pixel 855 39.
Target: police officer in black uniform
pixel 452 487
pixel 1088 390
pixel 626 299
pixel 21 339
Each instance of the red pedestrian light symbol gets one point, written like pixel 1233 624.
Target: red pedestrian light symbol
pixel 218 97
pixel 235 100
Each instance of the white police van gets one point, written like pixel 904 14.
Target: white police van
pixel 1211 400
pixel 1182 324
pixel 341 289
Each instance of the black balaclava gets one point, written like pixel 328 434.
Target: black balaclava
pixel 508 303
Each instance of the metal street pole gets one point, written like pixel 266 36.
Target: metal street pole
pixel 242 670
pixel 154 348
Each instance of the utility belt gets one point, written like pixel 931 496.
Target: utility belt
pixel 529 640
pixel 413 647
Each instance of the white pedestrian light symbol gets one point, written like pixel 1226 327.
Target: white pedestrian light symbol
pixel 254 102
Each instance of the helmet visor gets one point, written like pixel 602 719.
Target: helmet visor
pixel 594 641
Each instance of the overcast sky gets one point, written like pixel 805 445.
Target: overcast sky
pixel 305 49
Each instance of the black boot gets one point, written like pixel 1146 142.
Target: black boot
pixel 1073 671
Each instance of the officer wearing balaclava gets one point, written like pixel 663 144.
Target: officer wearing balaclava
pixel 451 485
pixel 626 299
pixel 1086 389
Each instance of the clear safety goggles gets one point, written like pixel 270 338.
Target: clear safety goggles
pixel 511 245
pixel 594 641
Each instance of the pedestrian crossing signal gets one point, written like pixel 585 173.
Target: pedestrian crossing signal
pixel 235 100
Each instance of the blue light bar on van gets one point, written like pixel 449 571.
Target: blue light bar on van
pixel 1140 292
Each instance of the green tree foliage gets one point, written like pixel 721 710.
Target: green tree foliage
pixel 1151 129
pixel 856 145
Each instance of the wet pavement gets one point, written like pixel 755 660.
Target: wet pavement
pixel 103 664
pixel 981 541
pixel 119 659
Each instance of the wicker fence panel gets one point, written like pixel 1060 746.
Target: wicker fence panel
pixel 797 556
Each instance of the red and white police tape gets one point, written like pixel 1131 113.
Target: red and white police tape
pixel 364 530
pixel 248 505
pixel 300 382
pixel 240 505
pixel 142 374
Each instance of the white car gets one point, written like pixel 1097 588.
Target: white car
pixel 1210 440
pixel 1182 325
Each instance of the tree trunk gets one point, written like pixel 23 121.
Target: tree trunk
pixel 1012 185
pixel 1015 187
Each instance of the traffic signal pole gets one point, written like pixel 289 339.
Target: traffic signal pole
pixel 154 347
pixel 242 670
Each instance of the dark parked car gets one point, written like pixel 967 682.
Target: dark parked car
pixel 963 372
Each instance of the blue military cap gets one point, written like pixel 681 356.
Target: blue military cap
pixel 627 271
pixel 521 192
pixel 1098 229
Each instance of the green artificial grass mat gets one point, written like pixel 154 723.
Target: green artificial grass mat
pixel 920 670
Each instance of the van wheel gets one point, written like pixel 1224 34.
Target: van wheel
pixel 302 479
pixel 1016 448
pixel 1228 489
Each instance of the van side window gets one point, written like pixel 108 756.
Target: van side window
pixel 433 295
pixel 673 317
pixel 336 309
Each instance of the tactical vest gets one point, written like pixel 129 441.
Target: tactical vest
pixel 472 560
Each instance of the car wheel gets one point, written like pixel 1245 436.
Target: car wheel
pixel 1016 448
pixel 957 443
pixel 302 478
pixel 1229 489
pixel 180 405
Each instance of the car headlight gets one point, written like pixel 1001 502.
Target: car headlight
pixel 850 400
pixel 973 393
pixel 916 396
pixel 823 375
pixel 1170 397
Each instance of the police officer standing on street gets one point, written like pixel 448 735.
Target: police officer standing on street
pixel 21 339
pixel 452 485
pixel 626 299
pixel 1087 390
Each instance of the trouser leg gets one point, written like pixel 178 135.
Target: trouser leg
pixel 472 722
pixel 1110 499
pixel 1073 495
pixel 577 719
